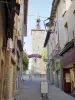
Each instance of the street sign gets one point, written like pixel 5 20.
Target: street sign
pixel 58 62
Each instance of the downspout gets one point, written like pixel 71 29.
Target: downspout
pixel 59 48
pixel 58 31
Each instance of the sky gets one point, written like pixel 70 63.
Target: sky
pixel 35 7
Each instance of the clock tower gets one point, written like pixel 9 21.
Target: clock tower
pixel 38 38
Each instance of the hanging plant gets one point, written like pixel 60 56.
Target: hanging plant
pixel 25 61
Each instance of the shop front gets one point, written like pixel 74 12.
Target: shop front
pixel 72 73
pixel 57 72
pixel 67 59
pixel 56 68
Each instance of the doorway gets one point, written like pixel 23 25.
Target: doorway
pixel 66 80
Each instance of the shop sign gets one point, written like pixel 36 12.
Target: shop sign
pixel 44 87
pixel 67 76
pixel 68 58
pixel 57 62
pixel 72 80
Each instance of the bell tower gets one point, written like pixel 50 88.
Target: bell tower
pixel 38 22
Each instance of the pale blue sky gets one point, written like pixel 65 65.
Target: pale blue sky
pixel 35 6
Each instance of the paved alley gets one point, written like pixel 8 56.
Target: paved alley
pixel 30 90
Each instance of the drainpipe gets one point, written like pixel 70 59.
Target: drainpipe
pixel 59 48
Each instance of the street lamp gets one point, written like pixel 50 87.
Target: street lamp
pixel 46 24
pixel 48 29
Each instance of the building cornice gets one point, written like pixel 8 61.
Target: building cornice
pixel 25 11
pixel 35 29
pixel 53 10
pixel 25 14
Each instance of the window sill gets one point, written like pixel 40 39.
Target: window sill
pixel 64 14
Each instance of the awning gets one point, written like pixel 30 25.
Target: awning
pixel 34 56
pixel 68 46
pixel 68 59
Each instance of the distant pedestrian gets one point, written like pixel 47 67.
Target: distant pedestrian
pixel 72 85
pixel 30 77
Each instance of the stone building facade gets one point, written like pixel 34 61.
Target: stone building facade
pixel 10 48
pixel 61 43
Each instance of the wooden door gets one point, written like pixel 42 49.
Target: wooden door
pixel 66 80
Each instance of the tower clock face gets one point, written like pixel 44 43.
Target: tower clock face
pixel 39 36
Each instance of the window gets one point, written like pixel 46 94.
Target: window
pixel 74 18
pixel 56 37
pixel 35 60
pixel 66 4
pixel 74 13
pixel 33 50
pixel 63 7
pixel 51 45
pixel 54 40
pixel 47 49
pixel 66 32
pixel 74 24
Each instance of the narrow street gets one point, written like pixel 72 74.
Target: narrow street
pixel 30 90
pixel 37 43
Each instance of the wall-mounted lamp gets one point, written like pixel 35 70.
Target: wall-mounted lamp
pixel 46 27
pixel 48 30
